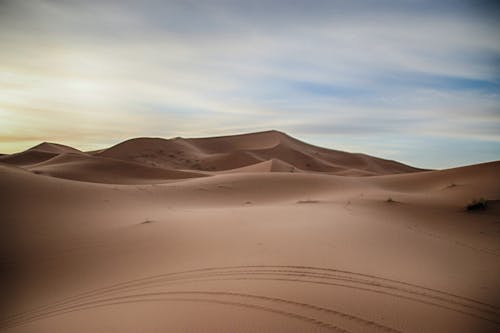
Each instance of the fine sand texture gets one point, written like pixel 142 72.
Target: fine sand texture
pixel 250 233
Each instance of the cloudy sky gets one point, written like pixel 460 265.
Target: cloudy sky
pixel 415 81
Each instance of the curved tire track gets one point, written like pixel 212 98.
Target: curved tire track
pixel 370 283
pixel 138 297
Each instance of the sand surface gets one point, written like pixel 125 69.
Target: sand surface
pixel 249 233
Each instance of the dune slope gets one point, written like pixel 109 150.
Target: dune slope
pixel 103 170
pixel 280 237
pixel 236 151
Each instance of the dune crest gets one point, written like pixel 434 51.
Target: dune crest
pixel 56 148
pixel 269 151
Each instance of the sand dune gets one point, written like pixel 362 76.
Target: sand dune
pixel 230 152
pixel 105 170
pixel 27 157
pixel 153 151
pixel 149 160
pixel 280 237
pixel 56 148
pixel 37 154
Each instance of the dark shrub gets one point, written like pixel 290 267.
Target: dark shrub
pixel 475 205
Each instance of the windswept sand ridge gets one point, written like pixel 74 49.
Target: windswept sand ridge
pixel 26 157
pixel 175 153
pixel 472 182
pixel 132 247
pixel 270 151
pixel 249 141
pixel 237 151
pixel 104 170
pixel 480 178
pixel 56 148
pixel 37 154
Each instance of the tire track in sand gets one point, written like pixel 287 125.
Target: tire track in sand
pixel 147 297
pixel 294 271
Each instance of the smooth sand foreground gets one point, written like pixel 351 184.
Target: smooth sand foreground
pixel 123 246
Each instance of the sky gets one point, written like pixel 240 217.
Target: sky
pixel 413 81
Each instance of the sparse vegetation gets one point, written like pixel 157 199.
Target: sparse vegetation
pixel 390 200
pixel 308 201
pixel 477 204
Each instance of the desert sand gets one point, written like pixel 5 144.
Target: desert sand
pixel 250 233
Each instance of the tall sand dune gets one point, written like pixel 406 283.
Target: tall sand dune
pixel 236 151
pixel 280 236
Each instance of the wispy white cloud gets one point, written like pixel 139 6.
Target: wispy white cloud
pixel 109 70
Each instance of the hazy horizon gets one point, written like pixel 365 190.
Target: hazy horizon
pixel 413 81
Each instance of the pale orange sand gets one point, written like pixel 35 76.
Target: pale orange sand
pixel 250 233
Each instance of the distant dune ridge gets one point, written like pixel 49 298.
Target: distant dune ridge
pixel 270 151
pixel 257 232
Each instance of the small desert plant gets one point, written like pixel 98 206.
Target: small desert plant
pixel 390 200
pixel 308 201
pixel 477 204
